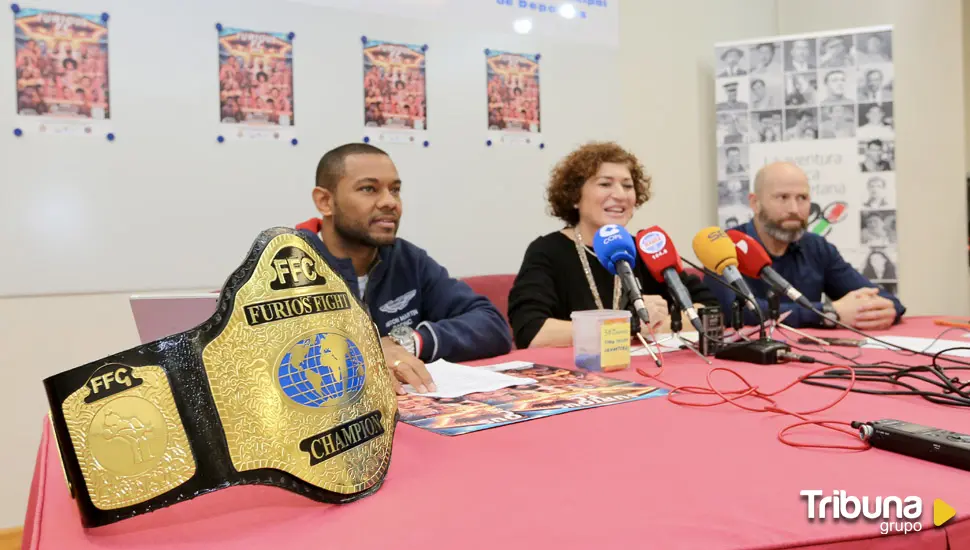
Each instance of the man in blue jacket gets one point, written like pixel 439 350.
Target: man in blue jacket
pixel 421 312
pixel 781 205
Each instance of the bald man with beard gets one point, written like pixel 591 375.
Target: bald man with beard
pixel 781 203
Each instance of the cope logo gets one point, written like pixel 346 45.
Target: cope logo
pixel 294 268
pixel 610 233
pixel 653 242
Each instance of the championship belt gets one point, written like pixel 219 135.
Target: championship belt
pixel 284 385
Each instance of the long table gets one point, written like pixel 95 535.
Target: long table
pixel 636 475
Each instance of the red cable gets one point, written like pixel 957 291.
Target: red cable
pixel 734 396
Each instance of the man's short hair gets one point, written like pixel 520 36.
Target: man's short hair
pixel 735 149
pixel 331 166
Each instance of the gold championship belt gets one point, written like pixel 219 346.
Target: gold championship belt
pixel 284 385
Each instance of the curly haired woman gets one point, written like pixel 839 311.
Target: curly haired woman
pixel 595 185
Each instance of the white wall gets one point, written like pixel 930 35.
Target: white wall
pixel 667 59
pixel 39 337
pixel 140 204
pixel 667 110
pixel 966 77
pixel 930 143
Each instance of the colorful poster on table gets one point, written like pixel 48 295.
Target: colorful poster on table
pixel 395 98
pixel 514 114
pixel 256 84
pixel 823 101
pixel 61 63
pixel 556 391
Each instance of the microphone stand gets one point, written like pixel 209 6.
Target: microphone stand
pixel 677 325
pixel 737 319
pixel 764 350
pixel 774 309
pixel 736 323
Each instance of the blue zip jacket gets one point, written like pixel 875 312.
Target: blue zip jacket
pixel 406 286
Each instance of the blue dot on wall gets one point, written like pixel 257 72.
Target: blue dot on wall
pixel 489 143
pixel 15 8
pixel 294 141
pixel 366 139
pixel 220 139
pixel 427 143
pixel 542 146
pixel 363 39
pixel 110 136
pixel 291 36
pixel 538 57
pixel 104 17
pixel 18 132
pixel 219 27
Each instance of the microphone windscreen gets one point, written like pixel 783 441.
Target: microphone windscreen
pixel 752 257
pixel 715 249
pixel 613 243
pixel 657 252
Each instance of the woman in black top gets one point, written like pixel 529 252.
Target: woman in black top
pixel 596 185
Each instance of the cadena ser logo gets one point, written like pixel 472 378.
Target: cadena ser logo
pixel 894 514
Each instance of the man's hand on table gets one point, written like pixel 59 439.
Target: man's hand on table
pixel 864 309
pixel 406 368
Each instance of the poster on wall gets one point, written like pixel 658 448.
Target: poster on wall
pixel 824 102
pixel 61 73
pixel 395 98
pixel 256 84
pixel 513 98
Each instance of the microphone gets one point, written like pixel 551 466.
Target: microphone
pixel 614 248
pixel 658 253
pixel 716 251
pixel 753 261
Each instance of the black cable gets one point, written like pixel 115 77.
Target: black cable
pixel 897 347
pixel 933 397
pixel 717 278
pixel 952 391
pixel 820 349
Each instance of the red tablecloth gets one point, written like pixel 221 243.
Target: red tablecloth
pixel 643 474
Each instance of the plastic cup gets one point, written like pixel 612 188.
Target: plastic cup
pixel 601 339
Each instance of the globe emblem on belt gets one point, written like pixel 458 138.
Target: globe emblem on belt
pixel 321 370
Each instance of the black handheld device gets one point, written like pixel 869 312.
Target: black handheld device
pixel 918 441
pixel 710 340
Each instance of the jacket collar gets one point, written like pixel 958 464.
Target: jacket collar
pixel 345 266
